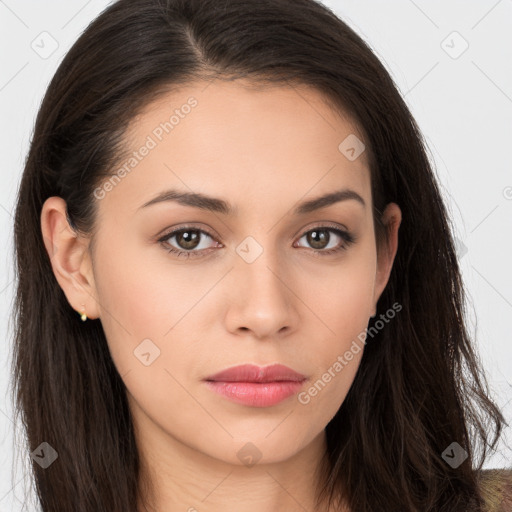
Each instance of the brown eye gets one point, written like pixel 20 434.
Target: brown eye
pixel 189 241
pixel 322 241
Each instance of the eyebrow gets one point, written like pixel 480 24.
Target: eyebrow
pixel 214 204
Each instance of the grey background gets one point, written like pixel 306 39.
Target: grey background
pixel 461 98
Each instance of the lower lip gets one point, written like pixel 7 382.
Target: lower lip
pixel 256 394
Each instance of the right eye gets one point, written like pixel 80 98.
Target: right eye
pixel 188 239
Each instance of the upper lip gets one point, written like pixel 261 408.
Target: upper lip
pixel 254 373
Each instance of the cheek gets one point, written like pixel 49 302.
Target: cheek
pixel 327 390
pixel 337 355
pixel 341 291
pixel 133 305
pixel 342 303
pixel 149 314
pixel 138 291
pixel 341 296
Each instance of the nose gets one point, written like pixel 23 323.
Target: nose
pixel 261 298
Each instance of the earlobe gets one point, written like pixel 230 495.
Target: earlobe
pixel 69 257
pixel 391 218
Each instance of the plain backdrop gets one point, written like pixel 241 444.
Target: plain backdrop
pixel 452 62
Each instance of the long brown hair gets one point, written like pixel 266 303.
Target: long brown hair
pixel 419 386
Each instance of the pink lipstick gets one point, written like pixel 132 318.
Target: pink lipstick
pixel 256 386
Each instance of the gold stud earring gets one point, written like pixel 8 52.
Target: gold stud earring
pixel 83 316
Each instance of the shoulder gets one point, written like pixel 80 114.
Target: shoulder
pixel 496 489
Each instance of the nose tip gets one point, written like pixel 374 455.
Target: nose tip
pixel 262 303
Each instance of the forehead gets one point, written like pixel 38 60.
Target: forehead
pixel 240 141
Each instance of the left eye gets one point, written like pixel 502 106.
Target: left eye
pixel 189 239
pixel 318 237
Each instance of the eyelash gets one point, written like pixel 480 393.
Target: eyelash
pixel 345 235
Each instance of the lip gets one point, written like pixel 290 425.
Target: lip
pixel 254 373
pixel 256 386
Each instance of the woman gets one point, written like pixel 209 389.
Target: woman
pixel 238 203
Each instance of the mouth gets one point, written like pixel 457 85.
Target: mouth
pixel 256 386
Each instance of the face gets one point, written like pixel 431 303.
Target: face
pixel 255 277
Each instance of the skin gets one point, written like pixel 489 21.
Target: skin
pixel 263 150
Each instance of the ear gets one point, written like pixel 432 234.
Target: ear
pixel 69 257
pixel 391 218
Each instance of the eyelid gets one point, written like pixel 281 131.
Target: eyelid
pixel 172 231
pixel 321 224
